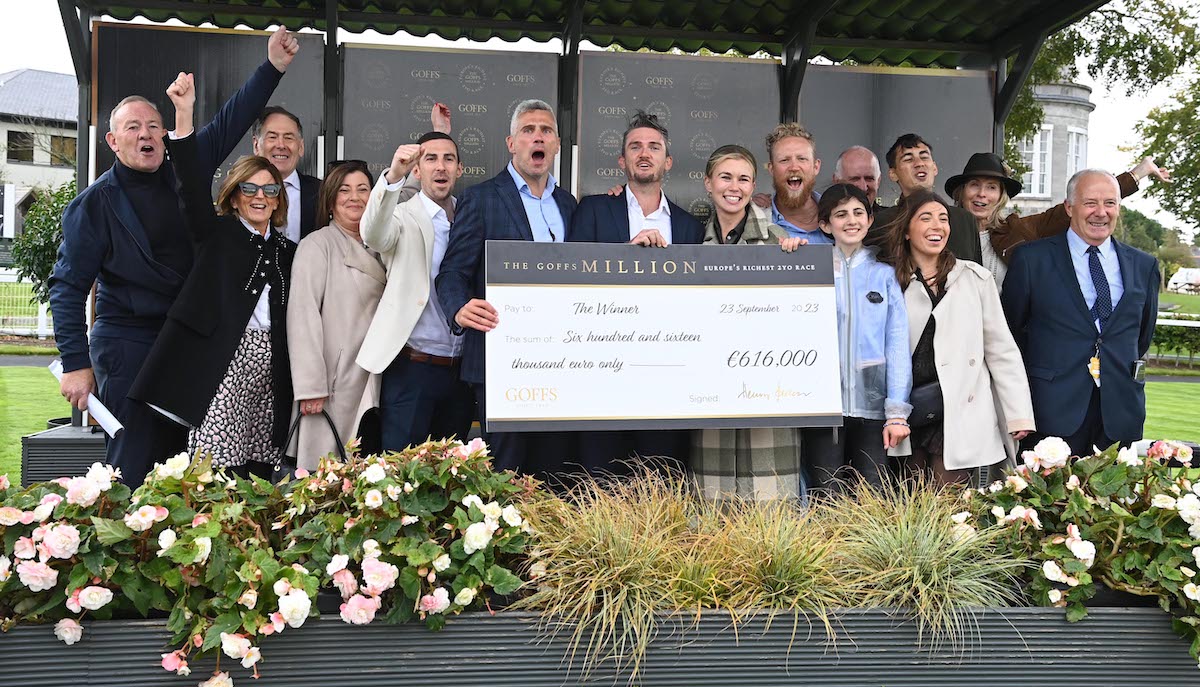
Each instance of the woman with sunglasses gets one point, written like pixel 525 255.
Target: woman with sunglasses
pixel 220 363
pixel 336 286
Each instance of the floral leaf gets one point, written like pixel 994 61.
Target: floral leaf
pixel 1076 612
pixel 502 581
pixel 1109 480
pixel 226 622
pixel 111 531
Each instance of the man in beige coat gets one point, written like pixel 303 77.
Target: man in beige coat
pixel 409 341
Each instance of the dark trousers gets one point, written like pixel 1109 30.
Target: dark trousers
pixel 148 437
pixel 418 401
pixel 836 457
pixel 548 456
pixel 1090 434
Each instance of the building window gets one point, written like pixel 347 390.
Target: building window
pixel 20 146
pixel 1077 142
pixel 62 151
pixel 1036 153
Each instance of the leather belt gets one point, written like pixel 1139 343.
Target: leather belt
pixel 419 357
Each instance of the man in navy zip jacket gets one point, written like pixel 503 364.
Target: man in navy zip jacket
pixel 125 233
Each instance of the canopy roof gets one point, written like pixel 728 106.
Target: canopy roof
pixel 895 32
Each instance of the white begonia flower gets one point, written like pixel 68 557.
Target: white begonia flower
pixel 174 467
pixel 409 520
pixel 371 549
pixel 1053 572
pixel 960 518
pixel 373 499
pixel 249 599
pixel 5 569
pixel 68 631
pixel 1187 572
pixel 441 562
pixel 1188 506
pixel 1191 591
pixel 512 516
pixel 962 532
pixel 1084 550
pixel 1196 554
pixel 336 564
pixel 1017 483
pixel 465 597
pixel 1072 482
pixel 94 598
pixel 537 570
pixel 998 512
pixel 1054 595
pixel 477 537
pixel 995 486
pixel 393 492
pixel 101 474
pixel 1128 456
pixel 374 474
pixel 472 498
pixel 281 587
pixel 252 656
pixel 234 646
pixel 1052 452
pixel 203 549
pixel 166 539
pixel 294 607
pixel 1163 501
pixel 218 680
pixel 492 511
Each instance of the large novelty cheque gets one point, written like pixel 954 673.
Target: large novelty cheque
pixel 609 336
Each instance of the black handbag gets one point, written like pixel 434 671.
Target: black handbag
pixel 289 462
pixel 926 403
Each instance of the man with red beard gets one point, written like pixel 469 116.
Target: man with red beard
pixel 521 203
pixel 911 166
pixel 793 164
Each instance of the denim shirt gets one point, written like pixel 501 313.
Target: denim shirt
pixel 872 337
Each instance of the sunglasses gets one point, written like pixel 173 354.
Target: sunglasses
pixel 250 190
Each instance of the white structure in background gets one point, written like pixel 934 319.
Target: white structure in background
pixel 1185 280
pixel 1059 149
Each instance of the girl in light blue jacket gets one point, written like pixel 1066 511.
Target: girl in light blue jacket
pixel 876 369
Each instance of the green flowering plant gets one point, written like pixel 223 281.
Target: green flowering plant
pixel 425 533
pixel 1112 518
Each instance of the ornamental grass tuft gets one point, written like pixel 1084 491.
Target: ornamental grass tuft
pixel 902 546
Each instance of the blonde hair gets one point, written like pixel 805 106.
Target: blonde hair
pixel 788 130
pixel 727 152
pixel 246 167
pixel 993 220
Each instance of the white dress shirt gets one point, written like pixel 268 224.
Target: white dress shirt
pixel 291 185
pixel 1083 270
pixel 261 317
pixel 431 334
pixel 660 219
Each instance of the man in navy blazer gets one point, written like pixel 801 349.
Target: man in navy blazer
pixel 521 203
pixel 1078 299
pixel 125 233
pixel 641 214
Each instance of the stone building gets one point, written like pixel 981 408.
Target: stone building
pixel 1059 149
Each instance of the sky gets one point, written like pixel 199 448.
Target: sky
pixel 31 36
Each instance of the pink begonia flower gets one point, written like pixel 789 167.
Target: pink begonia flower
pixel 218 680
pixel 62 541
pixel 234 645
pixel 94 598
pixel 24 548
pixel 144 518
pixel 41 514
pixel 378 577
pixel 1082 549
pixel 359 609
pixel 281 587
pixel 68 630
pixel 409 520
pixel 173 661
pixel 28 517
pixel 371 549
pixel 301 473
pixel 61 481
pixel 1072 482
pixel 345 583
pixel 39 533
pixel 436 602
pixel 277 621
pixel 73 604
pixel 4 483
pixel 1028 515
pixel 37 576
pixel 347 486
pixel 200 519
pixel 82 491
pixel 5 569
pixel 9 516
pixel 249 598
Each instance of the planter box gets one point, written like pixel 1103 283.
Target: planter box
pixel 1012 647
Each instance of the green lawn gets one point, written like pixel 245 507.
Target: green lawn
pixel 29 396
pixel 1187 303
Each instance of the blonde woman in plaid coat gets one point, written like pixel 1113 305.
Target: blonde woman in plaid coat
pixel 760 463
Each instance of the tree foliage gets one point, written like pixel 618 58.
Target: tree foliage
pixel 1135 43
pixel 1173 133
pixel 1140 231
pixel 36 249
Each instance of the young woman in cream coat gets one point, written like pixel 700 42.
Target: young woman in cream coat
pixel 959 337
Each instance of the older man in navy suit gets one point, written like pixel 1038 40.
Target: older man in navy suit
pixel 641 214
pixel 521 203
pixel 1082 308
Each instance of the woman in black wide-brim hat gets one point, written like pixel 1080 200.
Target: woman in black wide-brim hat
pixel 985 187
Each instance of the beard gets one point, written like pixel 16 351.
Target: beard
pixel 785 197
pixel 646 176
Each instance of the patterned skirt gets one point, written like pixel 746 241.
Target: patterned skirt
pixel 757 464
pixel 238 425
